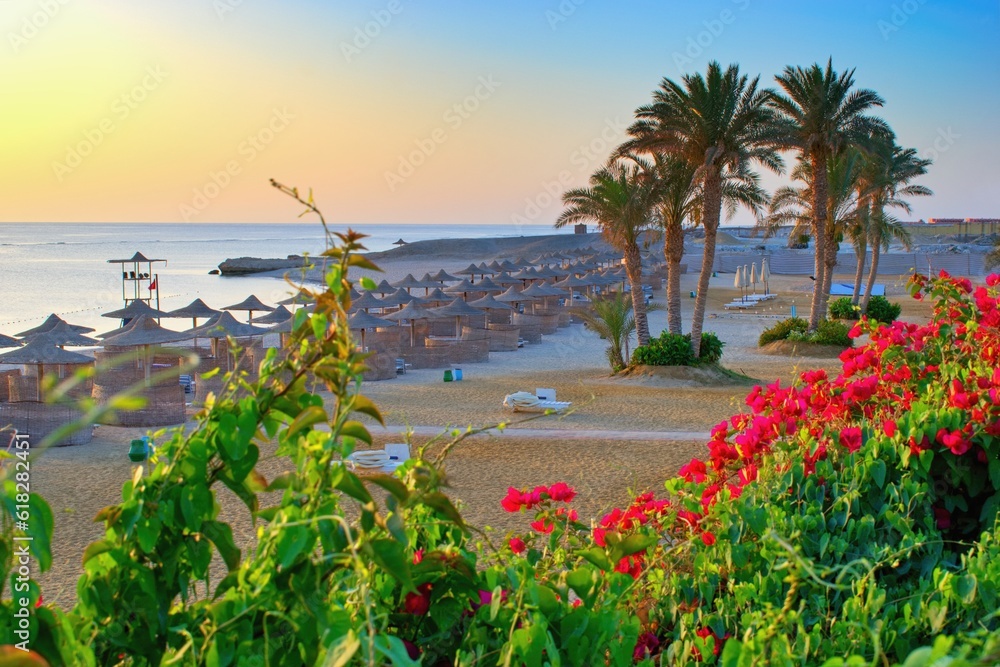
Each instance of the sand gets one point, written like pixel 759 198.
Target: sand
pixel 623 435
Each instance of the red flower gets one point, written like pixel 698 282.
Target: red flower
pixel 693 471
pixel 40 602
pixel 953 441
pixel 851 438
pixel 646 646
pixel 562 492
pixel 517 545
pixel 543 525
pixel 418 603
pixel 942 517
pixel 889 428
pixel 411 649
pixel 993 279
pixel 418 556
pixel 708 539
pixel 513 501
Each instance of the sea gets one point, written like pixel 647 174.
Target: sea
pixel 63 268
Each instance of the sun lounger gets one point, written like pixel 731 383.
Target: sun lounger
pixel 522 401
pixel 740 305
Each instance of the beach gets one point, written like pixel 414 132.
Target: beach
pixel 623 434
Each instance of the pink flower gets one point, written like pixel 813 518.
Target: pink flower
pixel 513 501
pixel 889 428
pixel 644 648
pixel 850 438
pixel 418 603
pixel 542 526
pixel 693 471
pixel 562 492
pixel 942 518
pixel 418 556
pixel 517 545
pixel 954 441
pixel 993 280
pixel 708 539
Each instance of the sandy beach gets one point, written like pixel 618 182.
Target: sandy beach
pixel 624 434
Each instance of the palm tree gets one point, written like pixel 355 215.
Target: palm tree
pixel 612 318
pixel 620 199
pixel 820 115
pixel 895 168
pixel 716 123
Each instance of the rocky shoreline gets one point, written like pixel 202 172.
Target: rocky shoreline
pixel 243 266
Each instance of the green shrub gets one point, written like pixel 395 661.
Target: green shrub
pixel 843 309
pixel 882 310
pixel 675 350
pixel 782 329
pixel 831 332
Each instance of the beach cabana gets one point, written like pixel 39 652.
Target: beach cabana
pixel 250 304
pixel 50 322
pixel 458 309
pixel 40 351
pixel 411 313
pixel 144 333
pixel 504 336
pixel 63 334
pixel 362 321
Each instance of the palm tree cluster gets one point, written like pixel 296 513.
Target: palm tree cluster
pixel 694 151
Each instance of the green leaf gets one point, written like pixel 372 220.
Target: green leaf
pixel 96 549
pixel 365 405
pixel 440 503
pixel 221 535
pixel 391 557
pixel 357 430
pixel 308 417
pixel 282 481
pixel 394 649
pixel 352 486
pixel 598 557
pixel 392 485
pixel 368 284
pixel 633 544
pixel 343 650
pixel 878 471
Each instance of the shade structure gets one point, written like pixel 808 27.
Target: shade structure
pixel 487 285
pixel 488 302
pixel 541 291
pixel 144 332
pixel 428 282
pixel 412 313
pixel 570 282
pixel 753 276
pixel 362 321
pixel 442 277
pixel 194 310
pixel 299 299
pixel 738 282
pixel 457 308
pixel 384 287
pixel 399 297
pixel 50 322
pixel 225 325
pixel 438 296
pixel 765 273
pixel 470 270
pixel 526 274
pixel 276 316
pixel 7 341
pixel 40 351
pixel 63 334
pixel 746 276
pixel 135 309
pixel 549 272
pixel 508 265
pixel 485 269
pixel 367 300
pixel 407 283
pixel 514 295
pixel 505 279
pixel 250 304
pixel 462 288
pixel 496 266
pixel 137 258
pixel 400 242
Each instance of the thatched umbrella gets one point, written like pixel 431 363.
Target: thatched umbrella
pixel 42 350
pixel 135 310
pixel 398 298
pixel 276 316
pixel 224 325
pixel 571 282
pixel 143 333
pixel 443 277
pixel 487 285
pixel 366 301
pixel 515 296
pixel 470 270
pixel 7 341
pixel 400 242
pixel 412 313
pixel 360 321
pixel 457 309
pixel 438 296
pixel 64 334
pixel 249 304
pixel 505 279
pixel 462 288
pixel 496 266
pixel 384 288
pixel 407 283
pixel 194 310
pixel 488 302
pixel 298 299
pixel 50 322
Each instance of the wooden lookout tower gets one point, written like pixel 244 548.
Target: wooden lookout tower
pixel 140 282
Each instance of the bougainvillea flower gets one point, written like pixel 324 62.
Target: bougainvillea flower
pixel 850 438
pixel 418 603
pixel 517 545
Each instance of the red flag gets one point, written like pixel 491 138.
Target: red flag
pixel 152 285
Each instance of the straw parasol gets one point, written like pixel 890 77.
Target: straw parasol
pixel 225 325
pixel 400 242
pixel 443 277
pixel 50 322
pixel 366 301
pixel 457 309
pixel 398 298
pixel 194 310
pixel 135 309
pixel 362 321
pixel 42 350
pixel 249 304
pixel 7 341
pixel 437 296
pixel 505 279
pixel 462 288
pixel 384 288
pixel 470 270
pixel 143 333
pixel 746 276
pixel 407 283
pixel 276 316
pixel 765 273
pixel 412 313
pixel 514 295
pixel 64 334
pixel 487 285
pixel 297 299
pixel 488 302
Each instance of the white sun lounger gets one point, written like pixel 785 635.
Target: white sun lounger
pixel 522 401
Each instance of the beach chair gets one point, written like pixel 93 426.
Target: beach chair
pixel 522 401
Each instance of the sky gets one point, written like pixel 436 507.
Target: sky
pixel 396 111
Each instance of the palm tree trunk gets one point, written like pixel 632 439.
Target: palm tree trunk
pixel 861 250
pixel 673 252
pixel 633 267
pixel 829 266
pixel 872 273
pixel 820 198
pixel 711 213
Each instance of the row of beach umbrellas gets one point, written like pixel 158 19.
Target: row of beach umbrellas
pixel 747 276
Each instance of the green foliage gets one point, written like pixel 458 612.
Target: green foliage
pixel 675 350
pixel 880 309
pixel 829 332
pixel 611 317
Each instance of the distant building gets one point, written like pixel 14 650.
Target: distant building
pixel 580 229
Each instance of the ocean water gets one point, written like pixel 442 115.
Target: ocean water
pixel 62 268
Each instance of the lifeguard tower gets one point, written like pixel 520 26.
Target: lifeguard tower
pixel 140 282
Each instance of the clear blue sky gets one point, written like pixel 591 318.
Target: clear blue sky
pixel 375 129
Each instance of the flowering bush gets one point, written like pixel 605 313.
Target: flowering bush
pixel 675 350
pixel 829 332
